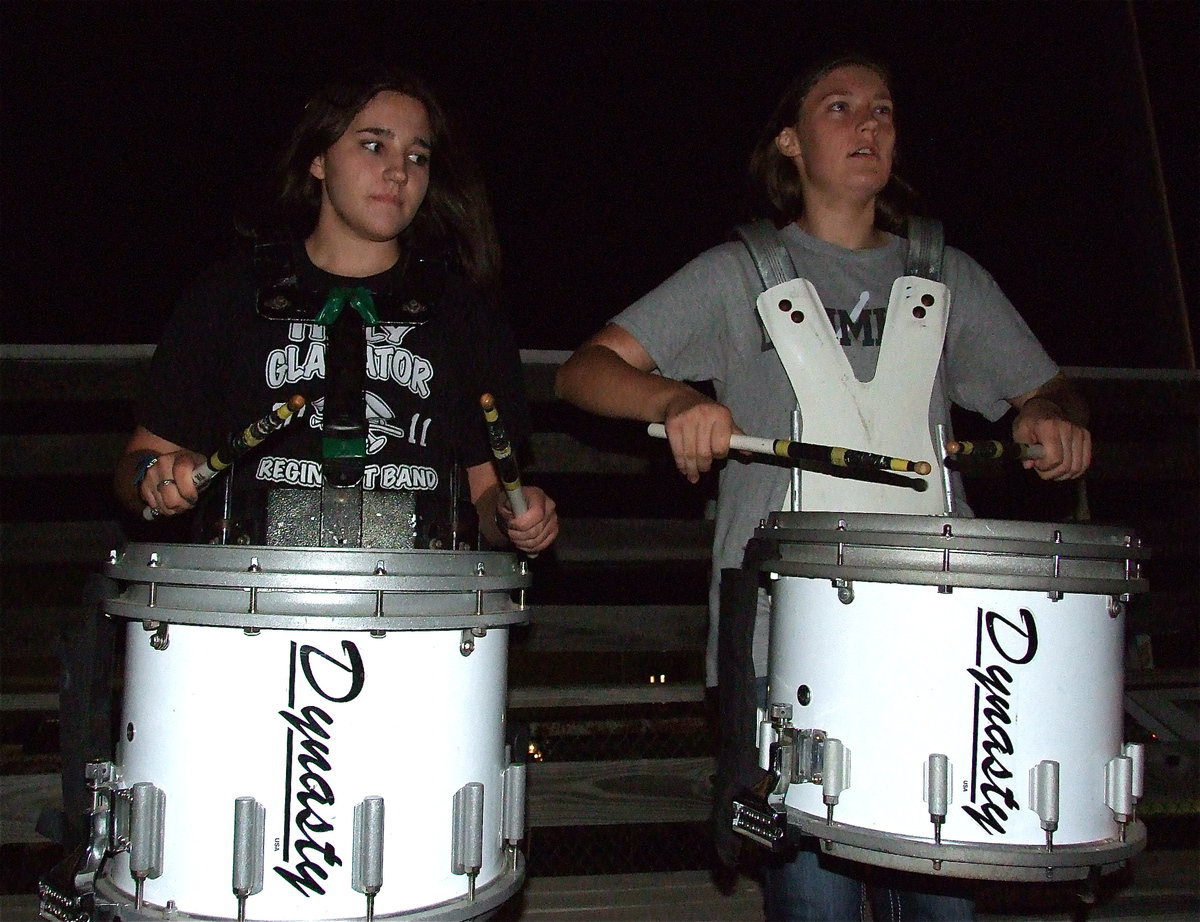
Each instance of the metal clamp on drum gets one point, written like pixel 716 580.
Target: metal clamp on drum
pixel 975 669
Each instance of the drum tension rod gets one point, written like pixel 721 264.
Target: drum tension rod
pixel 253 568
pixel 380 570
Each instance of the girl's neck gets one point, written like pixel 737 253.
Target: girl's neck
pixel 848 225
pixel 351 259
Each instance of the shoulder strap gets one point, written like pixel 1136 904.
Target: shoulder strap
pixel 768 253
pixel 770 258
pixel 926 246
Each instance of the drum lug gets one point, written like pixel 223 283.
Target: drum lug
pixel 512 808
pixel 367 861
pixel 1118 788
pixel 1044 797
pixel 1123 784
pixel 835 775
pixel 249 844
pixel 1116 606
pixel 147 820
pixel 938 787
pixel 466 855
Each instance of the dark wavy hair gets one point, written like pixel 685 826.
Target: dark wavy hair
pixel 776 179
pixel 455 217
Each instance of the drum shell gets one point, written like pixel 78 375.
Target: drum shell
pixel 208 719
pixel 311 722
pixel 903 672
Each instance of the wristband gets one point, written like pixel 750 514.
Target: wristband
pixel 147 462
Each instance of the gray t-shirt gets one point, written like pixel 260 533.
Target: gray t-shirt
pixel 701 325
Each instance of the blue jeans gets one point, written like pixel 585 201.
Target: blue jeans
pixel 816 888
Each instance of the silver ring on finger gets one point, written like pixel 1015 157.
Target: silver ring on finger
pixel 164 483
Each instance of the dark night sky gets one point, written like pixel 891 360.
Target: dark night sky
pixel 614 137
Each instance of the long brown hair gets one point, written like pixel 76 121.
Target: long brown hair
pixel 455 216
pixel 775 177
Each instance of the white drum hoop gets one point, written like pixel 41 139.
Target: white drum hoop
pixel 335 589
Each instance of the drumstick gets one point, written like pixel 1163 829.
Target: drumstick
pixel 807 451
pixel 993 450
pixel 238 445
pixel 506 463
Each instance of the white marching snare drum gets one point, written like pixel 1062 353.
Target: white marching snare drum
pixel 315 734
pixel 946 694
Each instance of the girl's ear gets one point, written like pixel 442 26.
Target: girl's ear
pixel 788 143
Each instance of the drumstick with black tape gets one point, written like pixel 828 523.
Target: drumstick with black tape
pixel 238 445
pixel 807 451
pixel 992 450
pixel 506 462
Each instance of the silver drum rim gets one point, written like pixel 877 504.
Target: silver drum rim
pixel 949 552
pixel 257 587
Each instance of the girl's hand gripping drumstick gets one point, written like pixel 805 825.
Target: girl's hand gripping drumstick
pixel 237 446
pixel 506 462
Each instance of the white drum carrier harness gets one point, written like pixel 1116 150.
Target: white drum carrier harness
pixel 886 415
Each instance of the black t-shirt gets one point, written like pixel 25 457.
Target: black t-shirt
pixel 221 365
